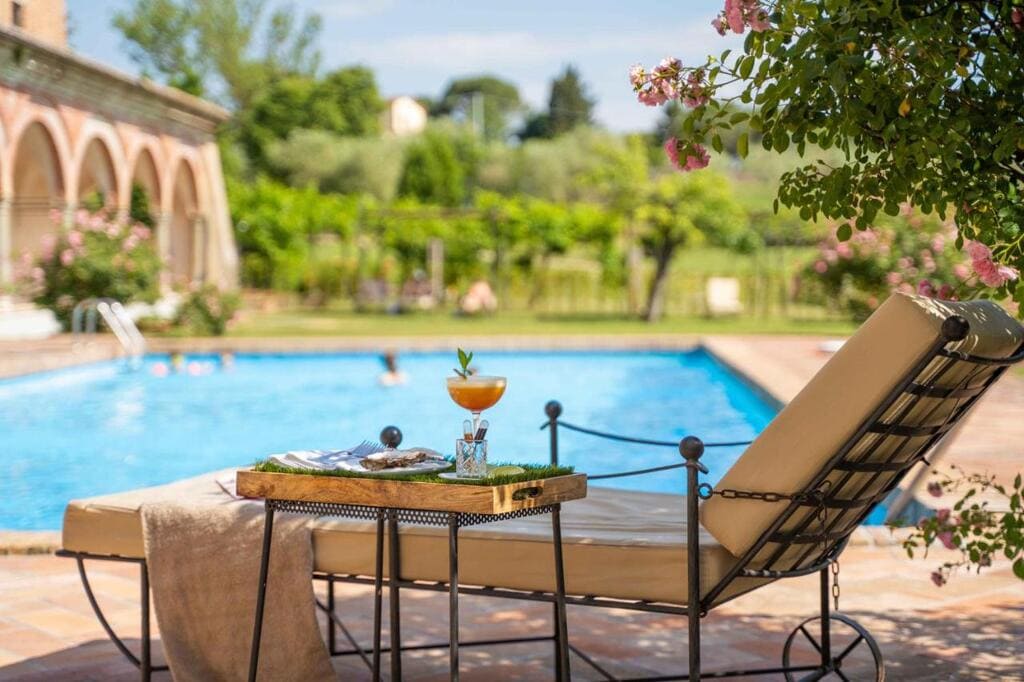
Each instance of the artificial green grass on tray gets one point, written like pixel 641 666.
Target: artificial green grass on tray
pixel 533 472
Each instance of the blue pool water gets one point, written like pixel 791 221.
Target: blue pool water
pixel 101 428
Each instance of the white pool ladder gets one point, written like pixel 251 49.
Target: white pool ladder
pixel 117 319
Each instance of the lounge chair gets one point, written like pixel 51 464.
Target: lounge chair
pixel 786 508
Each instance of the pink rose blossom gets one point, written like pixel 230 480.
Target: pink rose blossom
pixel 872 302
pixel 821 267
pixel 942 515
pixel 96 222
pixel 893 278
pixel 56 217
pixel 142 232
pixel 696 157
pixel 38 275
pixel 699 158
pixel 925 288
pixel 651 98
pixel 992 274
pixel 946 293
pixel 759 20
pixel 695 94
pixel 946 538
pixel 938 579
pixel 734 15
pixel 844 251
pixel 961 271
pixel 130 243
pixel 637 77
pixel 75 239
pixel 738 14
pixel 1017 18
pixel 935 489
pixel 67 257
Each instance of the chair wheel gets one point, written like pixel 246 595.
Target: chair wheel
pixel 855 653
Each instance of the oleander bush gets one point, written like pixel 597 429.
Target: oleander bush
pixel 911 254
pixel 98 257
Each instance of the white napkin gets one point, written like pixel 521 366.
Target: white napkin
pixel 327 459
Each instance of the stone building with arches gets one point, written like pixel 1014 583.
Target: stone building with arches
pixel 72 128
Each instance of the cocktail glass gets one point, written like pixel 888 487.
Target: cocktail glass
pixel 476 394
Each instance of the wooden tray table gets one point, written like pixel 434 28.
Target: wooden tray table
pixel 424 503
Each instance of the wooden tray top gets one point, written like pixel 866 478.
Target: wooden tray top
pixel 383 492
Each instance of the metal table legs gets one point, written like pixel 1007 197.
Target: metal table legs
pixel 394 572
pixel 454 521
pixel 453 596
pixel 261 593
pixel 561 627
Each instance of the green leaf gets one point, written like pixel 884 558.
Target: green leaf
pixel 743 145
pixel 746 66
pixel 844 232
pixel 716 143
pixel 1018 568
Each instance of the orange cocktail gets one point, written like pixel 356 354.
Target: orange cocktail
pixel 476 393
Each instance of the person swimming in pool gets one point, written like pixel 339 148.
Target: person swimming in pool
pixel 391 376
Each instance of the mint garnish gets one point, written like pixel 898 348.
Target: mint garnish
pixel 464 360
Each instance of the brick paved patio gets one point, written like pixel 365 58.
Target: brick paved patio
pixel 972 629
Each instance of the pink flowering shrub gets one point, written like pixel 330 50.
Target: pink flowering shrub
pixel 911 254
pixel 97 256
pixel 979 532
pixel 207 311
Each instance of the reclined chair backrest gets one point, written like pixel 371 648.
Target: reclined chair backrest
pixel 903 380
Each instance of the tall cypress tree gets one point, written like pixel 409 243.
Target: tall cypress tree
pixel 568 106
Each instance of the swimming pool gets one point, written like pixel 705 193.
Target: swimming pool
pixel 101 428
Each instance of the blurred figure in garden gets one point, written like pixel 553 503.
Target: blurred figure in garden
pixel 417 294
pixel 392 376
pixel 479 299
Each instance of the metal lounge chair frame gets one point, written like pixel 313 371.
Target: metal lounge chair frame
pixel 814 519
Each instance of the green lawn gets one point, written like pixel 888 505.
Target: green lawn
pixel 303 322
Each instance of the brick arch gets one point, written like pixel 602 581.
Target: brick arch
pixel 182 212
pixel 38 182
pixel 99 164
pixel 146 166
pixel 56 132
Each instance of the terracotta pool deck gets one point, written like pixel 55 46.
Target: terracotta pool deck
pixel 971 629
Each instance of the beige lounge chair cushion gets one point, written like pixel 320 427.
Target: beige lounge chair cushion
pixel 811 429
pixel 618 544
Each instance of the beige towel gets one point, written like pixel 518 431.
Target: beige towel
pixel 204 567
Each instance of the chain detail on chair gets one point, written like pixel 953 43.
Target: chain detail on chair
pixel 835 585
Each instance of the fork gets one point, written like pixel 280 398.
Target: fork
pixel 367 448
